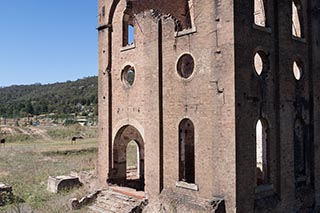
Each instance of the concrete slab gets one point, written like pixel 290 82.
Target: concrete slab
pixel 59 183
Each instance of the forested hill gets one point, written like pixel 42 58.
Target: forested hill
pixel 62 99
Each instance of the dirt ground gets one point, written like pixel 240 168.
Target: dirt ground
pixel 31 154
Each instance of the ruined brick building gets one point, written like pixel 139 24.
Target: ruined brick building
pixel 221 99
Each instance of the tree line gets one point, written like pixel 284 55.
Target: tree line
pixel 78 97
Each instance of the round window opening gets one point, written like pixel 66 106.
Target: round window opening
pixel 258 64
pixel 128 76
pixel 297 70
pixel 185 66
pixel 261 63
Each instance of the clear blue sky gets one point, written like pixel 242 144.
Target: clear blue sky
pixel 47 41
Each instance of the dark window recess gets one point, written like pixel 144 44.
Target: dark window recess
pixel 300 157
pixel 185 66
pixel 186 151
pixel 103 11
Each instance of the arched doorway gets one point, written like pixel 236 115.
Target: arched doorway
pixel 128 159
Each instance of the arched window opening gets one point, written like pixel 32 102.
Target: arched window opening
pixel 133 161
pixel 259 13
pixel 261 152
pixel 297 19
pixel 128 26
pixel 186 151
pixel 130 34
pixel 300 169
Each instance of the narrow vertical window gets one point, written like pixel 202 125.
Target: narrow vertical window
pixel 186 151
pixel 130 34
pixel 297 28
pixel 128 27
pixel 299 153
pixel 189 13
pixel 261 152
pixel 103 11
pixel 187 17
pixel 259 13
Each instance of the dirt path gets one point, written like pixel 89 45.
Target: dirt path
pixel 41 132
pixel 31 130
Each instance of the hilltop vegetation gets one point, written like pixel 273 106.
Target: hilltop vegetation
pixel 78 97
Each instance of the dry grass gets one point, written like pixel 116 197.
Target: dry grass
pixel 27 164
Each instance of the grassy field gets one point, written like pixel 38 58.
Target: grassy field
pixel 28 159
pixel 132 154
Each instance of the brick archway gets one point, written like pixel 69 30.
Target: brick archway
pixel 118 174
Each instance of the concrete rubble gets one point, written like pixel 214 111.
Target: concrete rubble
pixel 118 200
pixel 6 194
pixel 59 183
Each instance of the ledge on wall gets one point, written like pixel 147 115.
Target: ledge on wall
pixel 186 32
pixel 186 185
pixel 128 47
pixel 265 29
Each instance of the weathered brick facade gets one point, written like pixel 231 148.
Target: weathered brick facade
pixel 222 99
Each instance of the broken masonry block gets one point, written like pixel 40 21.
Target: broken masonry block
pixel 60 183
pixel 6 194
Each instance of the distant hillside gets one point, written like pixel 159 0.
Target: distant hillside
pixel 62 99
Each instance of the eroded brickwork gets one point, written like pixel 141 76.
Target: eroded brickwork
pixel 145 93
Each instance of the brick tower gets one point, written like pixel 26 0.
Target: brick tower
pixel 219 98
